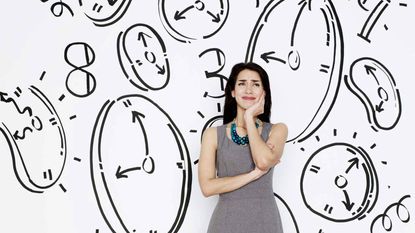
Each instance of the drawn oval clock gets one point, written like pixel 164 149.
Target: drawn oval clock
pixel 139 167
pixel 299 44
pixel 191 20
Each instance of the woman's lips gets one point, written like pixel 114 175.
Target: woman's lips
pixel 248 98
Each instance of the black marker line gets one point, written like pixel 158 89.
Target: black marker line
pixel 63 188
pixel 61 97
pixel 50 174
pixel 200 114
pixel 42 75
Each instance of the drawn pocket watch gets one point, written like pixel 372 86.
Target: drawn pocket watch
pixel 35 136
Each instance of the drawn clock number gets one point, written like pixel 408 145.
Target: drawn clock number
pixel 80 82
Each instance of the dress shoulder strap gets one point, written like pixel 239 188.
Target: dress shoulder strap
pixel 221 135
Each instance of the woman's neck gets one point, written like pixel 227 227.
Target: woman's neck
pixel 240 120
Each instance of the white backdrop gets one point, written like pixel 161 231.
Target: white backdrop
pixel 102 106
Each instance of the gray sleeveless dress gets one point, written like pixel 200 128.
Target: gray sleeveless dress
pixel 251 208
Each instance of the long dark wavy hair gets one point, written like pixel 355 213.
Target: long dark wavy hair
pixel 229 112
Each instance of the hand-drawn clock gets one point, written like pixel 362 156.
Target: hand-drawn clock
pixel 339 182
pixel 188 20
pixel 375 87
pixel 35 137
pixel 143 57
pixel 105 12
pixel 299 43
pixel 140 164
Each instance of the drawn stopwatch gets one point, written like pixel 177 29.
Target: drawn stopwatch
pixel 299 43
pixel 339 182
pixel 139 165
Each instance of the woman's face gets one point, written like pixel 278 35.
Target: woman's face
pixel 248 88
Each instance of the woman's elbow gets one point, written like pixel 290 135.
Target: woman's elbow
pixel 265 165
pixel 205 191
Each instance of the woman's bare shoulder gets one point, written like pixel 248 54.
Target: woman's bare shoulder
pixel 280 127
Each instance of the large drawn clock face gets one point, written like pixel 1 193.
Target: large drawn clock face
pixel 135 146
pixel 299 44
pixel 192 20
pixel 339 182
pixel 35 136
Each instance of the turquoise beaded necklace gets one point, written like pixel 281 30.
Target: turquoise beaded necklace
pixel 238 139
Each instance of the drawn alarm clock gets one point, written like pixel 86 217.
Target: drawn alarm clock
pixel 140 166
pixel 35 136
pixel 299 43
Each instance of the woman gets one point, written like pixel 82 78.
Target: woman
pixel 237 158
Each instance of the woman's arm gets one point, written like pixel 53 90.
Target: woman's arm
pixel 265 154
pixel 209 183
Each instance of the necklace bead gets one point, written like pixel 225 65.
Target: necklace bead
pixel 238 139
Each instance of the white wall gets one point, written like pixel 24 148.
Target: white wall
pixel 91 90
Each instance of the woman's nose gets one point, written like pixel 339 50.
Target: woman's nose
pixel 248 89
